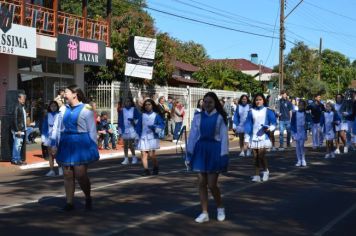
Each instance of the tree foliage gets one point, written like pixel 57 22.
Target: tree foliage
pixel 220 75
pixel 301 69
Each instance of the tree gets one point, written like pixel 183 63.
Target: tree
pixel 220 75
pixel 190 52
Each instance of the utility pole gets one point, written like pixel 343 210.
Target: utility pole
pixel 281 46
pixel 319 62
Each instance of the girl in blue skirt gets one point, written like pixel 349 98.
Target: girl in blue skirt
pixel 207 152
pixel 77 145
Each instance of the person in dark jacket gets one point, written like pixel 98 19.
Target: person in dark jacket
pixel 316 109
pixel 19 130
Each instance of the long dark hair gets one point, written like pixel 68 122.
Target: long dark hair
pixel 259 95
pixel 75 89
pixel 154 105
pixel 242 96
pixel 198 104
pixel 131 101
pixel 49 106
pixel 218 105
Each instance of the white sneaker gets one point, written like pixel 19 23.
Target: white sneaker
pixel 265 176
pixel 299 163
pixel 337 151
pixel 174 141
pixel 242 154
pixel 304 163
pixel 346 150
pixel 126 161
pixel 332 155
pixel 248 153
pixel 256 178
pixel 134 160
pixel 327 156
pixel 203 217
pixel 221 214
pixel 60 171
pixel 274 149
pixel 281 149
pixel 51 173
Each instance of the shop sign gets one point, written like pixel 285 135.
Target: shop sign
pixel 16 39
pixel 77 50
pixel 140 57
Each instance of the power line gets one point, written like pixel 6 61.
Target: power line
pixel 210 24
pixel 330 11
pixel 220 14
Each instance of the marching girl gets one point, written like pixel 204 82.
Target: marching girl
pixel 47 140
pixel 77 146
pixel 148 128
pixel 329 119
pixel 260 121
pixel 207 152
pixel 239 122
pixel 128 117
pixel 343 127
pixel 299 123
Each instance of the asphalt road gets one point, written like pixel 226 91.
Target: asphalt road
pixel 316 200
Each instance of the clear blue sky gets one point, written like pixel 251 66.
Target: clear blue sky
pixel 333 20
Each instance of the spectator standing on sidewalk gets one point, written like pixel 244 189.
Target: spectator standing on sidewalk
pixel 285 114
pixel 207 152
pixel 148 128
pixel 177 114
pixel 77 146
pixel 229 110
pixel 260 121
pixel 19 130
pixel 170 125
pixel 47 131
pixel 239 123
pixel 316 108
pixel 164 112
pixel 128 117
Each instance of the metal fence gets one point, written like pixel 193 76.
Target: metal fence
pixel 107 95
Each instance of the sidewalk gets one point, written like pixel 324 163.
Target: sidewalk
pixel 34 157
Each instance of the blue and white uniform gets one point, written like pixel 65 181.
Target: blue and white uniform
pixel 125 127
pixel 240 117
pixel 257 118
pixel 148 127
pixel 299 124
pixel 78 136
pixel 344 125
pixel 328 121
pixel 208 145
pixel 47 129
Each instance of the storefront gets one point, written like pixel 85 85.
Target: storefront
pixel 32 52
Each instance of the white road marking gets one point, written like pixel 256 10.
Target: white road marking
pixel 332 223
pixel 165 214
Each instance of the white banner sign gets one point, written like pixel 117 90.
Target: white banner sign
pixel 19 40
pixel 140 57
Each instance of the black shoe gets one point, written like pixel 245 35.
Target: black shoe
pixel 15 163
pixel 23 163
pixel 67 207
pixel 146 172
pixel 155 170
pixel 107 148
pixel 88 204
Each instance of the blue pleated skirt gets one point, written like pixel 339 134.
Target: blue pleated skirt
pixel 76 149
pixel 207 157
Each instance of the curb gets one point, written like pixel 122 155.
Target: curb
pixel 107 156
